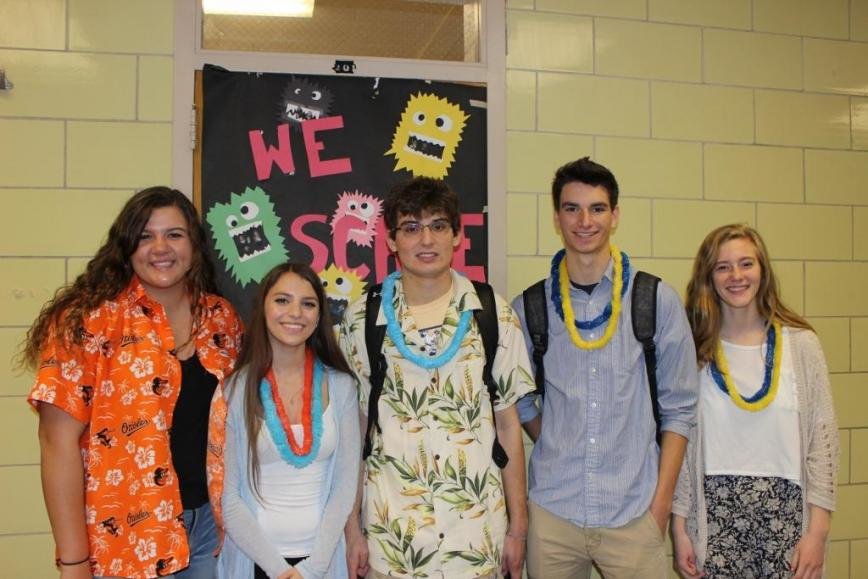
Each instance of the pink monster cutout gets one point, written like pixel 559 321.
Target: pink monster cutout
pixel 355 219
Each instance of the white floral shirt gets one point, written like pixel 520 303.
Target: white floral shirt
pixel 434 503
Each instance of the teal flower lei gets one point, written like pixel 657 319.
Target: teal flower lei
pixel 397 336
pixel 557 299
pixel 276 429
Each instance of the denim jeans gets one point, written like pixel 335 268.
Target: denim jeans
pixel 202 539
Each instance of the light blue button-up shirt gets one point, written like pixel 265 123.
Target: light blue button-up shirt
pixel 595 463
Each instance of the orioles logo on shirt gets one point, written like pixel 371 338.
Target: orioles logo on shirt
pixel 86 394
pixel 48 363
pixel 219 340
pixel 160 476
pixel 105 438
pixel 163 565
pixel 158 385
pixel 110 525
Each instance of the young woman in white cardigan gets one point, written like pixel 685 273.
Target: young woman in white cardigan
pixel 757 488
pixel 292 447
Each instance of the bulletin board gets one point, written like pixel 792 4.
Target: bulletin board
pixel 295 167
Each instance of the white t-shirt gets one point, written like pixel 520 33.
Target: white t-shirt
pixel 290 508
pixel 739 442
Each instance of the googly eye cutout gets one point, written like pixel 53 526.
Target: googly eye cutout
pixel 443 122
pixel 366 209
pixel 316 95
pixel 297 91
pixel 344 286
pixel 232 221
pixel 249 210
pixel 419 118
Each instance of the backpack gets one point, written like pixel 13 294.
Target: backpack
pixel 486 321
pixel 644 317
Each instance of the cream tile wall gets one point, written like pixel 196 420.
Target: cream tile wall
pixel 87 124
pixel 710 112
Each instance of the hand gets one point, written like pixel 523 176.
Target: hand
pixel 357 552
pixel 291 573
pixel 685 557
pixel 513 556
pixel 808 556
pixel 661 513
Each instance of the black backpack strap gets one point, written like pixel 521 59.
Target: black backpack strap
pixel 644 315
pixel 536 318
pixel 374 336
pixel 486 321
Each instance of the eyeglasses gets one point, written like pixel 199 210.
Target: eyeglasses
pixel 414 228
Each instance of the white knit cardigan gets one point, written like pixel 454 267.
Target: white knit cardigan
pixel 818 432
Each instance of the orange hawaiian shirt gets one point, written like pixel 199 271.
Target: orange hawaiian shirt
pixel 123 383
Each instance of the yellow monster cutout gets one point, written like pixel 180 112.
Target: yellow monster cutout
pixel 427 136
pixel 342 288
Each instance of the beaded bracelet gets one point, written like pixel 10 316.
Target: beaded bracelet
pixel 58 562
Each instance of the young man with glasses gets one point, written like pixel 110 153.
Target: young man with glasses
pixel 435 502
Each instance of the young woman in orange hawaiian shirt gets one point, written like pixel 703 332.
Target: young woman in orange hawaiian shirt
pixel 128 359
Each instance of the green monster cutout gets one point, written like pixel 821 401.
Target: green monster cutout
pixel 247 234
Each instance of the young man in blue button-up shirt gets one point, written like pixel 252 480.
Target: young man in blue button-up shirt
pixel 600 487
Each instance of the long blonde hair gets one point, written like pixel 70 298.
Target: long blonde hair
pixel 703 303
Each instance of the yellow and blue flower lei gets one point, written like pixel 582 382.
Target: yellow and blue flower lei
pixel 769 389
pixel 564 307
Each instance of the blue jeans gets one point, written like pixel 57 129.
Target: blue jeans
pixel 202 540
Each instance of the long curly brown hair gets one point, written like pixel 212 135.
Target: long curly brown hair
pixel 110 272
pixel 703 303
pixel 256 353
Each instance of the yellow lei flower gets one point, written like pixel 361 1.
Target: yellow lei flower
pixel 737 399
pixel 569 314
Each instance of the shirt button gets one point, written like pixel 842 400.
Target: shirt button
pixel 593 370
pixel 593 441
pixel 593 404
pixel 593 335
pixel 436 457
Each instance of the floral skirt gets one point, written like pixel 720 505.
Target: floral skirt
pixel 754 524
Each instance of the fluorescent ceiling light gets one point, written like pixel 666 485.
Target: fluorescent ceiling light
pixel 303 8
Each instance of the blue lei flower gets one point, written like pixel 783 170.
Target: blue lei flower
pixel 397 336
pixel 607 312
pixel 276 430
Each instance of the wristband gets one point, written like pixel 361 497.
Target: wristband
pixel 59 562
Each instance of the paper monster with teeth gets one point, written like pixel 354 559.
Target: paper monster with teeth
pixel 303 101
pixel 342 288
pixel 246 233
pixel 427 136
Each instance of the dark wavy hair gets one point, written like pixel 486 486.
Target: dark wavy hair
pixel 256 353
pixel 421 195
pixel 703 304
pixel 585 171
pixel 110 272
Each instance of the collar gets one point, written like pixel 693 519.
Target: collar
pixel 463 298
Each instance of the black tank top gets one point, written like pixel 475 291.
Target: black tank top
pixel 189 433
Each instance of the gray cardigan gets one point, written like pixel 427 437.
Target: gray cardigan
pixel 245 541
pixel 818 433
